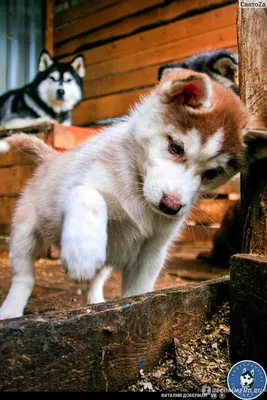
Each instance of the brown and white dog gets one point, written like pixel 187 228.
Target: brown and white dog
pixel 118 200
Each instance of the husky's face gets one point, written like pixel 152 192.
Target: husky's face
pixel 198 146
pixel 60 84
pixel 247 379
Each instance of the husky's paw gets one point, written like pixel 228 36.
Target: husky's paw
pixel 82 261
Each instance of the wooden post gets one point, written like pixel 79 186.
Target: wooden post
pixel 249 273
pixel 49 26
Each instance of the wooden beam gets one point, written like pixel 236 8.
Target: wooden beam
pixel 104 346
pixel 249 272
pixel 248 299
pixel 49 26
pixel 252 28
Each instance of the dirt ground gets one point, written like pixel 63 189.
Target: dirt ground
pixel 53 291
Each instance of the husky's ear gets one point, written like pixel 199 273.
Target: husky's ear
pixel 256 145
pixel 244 370
pixel 194 90
pixel 166 68
pixel 252 372
pixel 227 67
pixel 78 65
pixel 45 60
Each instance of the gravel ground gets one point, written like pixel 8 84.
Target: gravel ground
pixel 190 366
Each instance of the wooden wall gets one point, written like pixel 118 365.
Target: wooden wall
pixel 125 41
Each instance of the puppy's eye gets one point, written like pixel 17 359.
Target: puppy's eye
pixel 175 148
pixel 52 78
pixel 212 173
pixel 68 80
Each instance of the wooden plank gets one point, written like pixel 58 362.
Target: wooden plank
pixel 131 25
pixel 189 27
pixel 7 206
pixel 14 158
pixel 49 26
pixel 252 27
pixel 66 137
pixel 105 107
pixel 102 347
pixel 14 178
pixel 81 10
pixel 102 17
pixel 248 301
pixel 167 52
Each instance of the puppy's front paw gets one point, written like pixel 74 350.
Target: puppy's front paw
pixel 81 259
pixel 8 313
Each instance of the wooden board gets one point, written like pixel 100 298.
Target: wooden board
pixel 252 26
pixel 102 347
pixel 186 28
pixel 103 17
pixel 248 309
pixel 82 9
pixel 133 24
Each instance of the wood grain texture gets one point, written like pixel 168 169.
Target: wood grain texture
pixel 252 28
pixel 49 26
pixel 102 347
pixel 248 300
pixel 103 17
pixel 81 10
pixel 132 24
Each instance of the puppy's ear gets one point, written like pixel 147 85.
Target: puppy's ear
pixel 45 60
pixel 193 91
pixel 252 372
pixel 78 65
pixel 256 145
pixel 166 68
pixel 227 67
pixel 244 370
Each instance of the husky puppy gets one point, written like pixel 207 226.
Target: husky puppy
pixel 247 379
pixel 119 199
pixel 221 65
pixel 52 95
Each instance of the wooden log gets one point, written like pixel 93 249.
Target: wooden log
pixel 104 346
pixel 248 299
pixel 252 27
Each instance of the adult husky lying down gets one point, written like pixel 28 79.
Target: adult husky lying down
pixel 119 199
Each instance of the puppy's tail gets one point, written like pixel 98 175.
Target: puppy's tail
pixel 29 144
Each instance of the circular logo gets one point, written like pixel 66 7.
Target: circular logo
pixel 246 379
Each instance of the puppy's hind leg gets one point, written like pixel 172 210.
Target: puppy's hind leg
pixel 92 292
pixel 84 234
pixel 23 248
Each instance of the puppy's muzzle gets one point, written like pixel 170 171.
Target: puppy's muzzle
pixel 170 204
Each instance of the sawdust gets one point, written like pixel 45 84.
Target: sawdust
pixel 188 367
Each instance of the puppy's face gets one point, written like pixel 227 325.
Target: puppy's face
pixel 191 136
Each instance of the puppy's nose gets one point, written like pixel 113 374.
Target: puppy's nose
pixel 60 93
pixel 170 204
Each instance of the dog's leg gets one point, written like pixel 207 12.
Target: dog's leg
pixel 23 248
pixel 140 277
pixel 84 234
pixel 92 292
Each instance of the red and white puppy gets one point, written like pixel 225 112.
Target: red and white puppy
pixel 118 200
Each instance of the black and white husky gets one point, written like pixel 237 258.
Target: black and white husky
pixel 247 379
pixel 52 95
pixel 221 65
